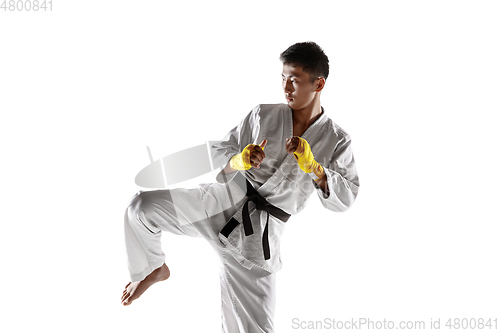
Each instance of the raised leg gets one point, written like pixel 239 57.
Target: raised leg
pixel 148 214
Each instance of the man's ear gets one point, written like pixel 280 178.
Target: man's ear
pixel 320 84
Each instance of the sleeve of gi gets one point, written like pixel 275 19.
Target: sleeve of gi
pixel 233 143
pixel 342 178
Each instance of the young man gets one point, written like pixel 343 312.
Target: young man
pixel 274 160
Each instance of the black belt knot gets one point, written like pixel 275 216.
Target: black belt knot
pixel 260 204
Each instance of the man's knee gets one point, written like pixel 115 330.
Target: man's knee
pixel 139 211
pixel 135 204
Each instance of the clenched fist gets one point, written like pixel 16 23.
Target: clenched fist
pixel 251 156
pixel 304 156
pixel 292 144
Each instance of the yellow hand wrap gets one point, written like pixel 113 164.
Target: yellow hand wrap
pixel 242 160
pixel 305 159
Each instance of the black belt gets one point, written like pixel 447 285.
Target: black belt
pixel 261 204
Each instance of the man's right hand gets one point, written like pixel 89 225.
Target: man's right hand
pixel 251 156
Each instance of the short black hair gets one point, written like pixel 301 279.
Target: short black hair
pixel 308 55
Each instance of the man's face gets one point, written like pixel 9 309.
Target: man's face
pixel 298 89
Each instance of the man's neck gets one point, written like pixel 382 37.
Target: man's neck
pixel 305 117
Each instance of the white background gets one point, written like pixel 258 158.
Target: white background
pixel 86 87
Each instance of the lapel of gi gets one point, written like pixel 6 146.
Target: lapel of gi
pixel 310 135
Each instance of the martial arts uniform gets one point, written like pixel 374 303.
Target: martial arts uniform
pixel 243 218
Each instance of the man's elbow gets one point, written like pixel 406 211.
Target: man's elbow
pixel 342 204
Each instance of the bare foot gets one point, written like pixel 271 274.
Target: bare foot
pixel 133 290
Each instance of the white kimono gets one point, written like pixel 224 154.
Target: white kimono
pixel 247 279
pixel 280 180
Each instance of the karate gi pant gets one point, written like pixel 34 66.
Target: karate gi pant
pixel 248 296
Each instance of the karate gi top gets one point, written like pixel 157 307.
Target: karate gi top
pixel 279 179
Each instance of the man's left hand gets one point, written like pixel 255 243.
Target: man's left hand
pixel 301 150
